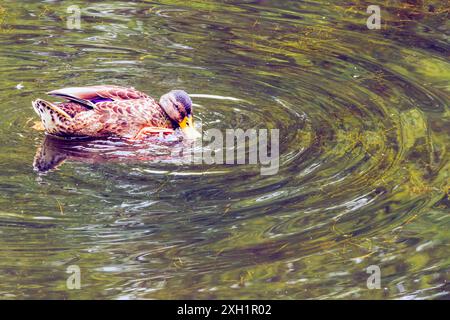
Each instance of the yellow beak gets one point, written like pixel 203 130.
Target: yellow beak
pixel 187 126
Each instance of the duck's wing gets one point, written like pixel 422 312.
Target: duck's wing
pixel 138 111
pixel 89 96
pixel 48 156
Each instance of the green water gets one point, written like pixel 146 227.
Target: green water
pixel 364 160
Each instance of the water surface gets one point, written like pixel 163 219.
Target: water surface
pixel 364 163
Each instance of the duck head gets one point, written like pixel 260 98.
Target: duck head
pixel 178 106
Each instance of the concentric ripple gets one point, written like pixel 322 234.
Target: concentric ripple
pixel 364 168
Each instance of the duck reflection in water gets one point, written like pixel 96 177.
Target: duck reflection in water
pixel 54 151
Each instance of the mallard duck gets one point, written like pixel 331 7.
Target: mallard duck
pixel 102 111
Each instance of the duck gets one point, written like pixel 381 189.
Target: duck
pixel 110 110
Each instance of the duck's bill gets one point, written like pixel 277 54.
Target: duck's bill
pixel 187 126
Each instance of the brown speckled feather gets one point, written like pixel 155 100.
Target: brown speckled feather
pixel 116 111
pixel 73 108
